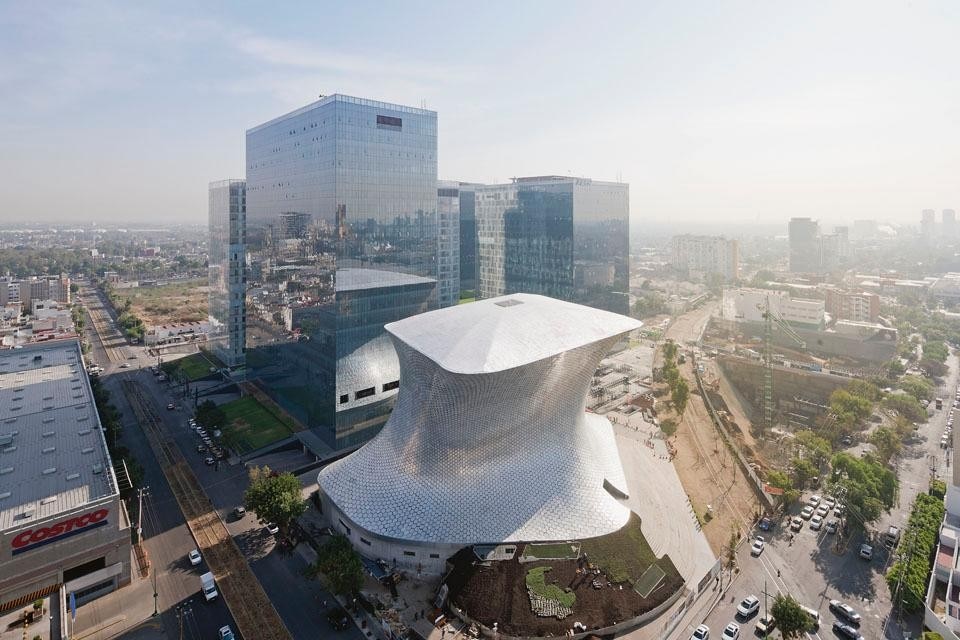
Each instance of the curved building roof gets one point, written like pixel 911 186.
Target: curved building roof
pixel 506 332
pixel 489 440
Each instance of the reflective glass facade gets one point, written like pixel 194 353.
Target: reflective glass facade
pixel 342 215
pixel 227 281
pixel 557 236
pixel 468 239
pixel 448 243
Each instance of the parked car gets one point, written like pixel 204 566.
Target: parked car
pixel 272 528
pixel 748 606
pixel 845 611
pixel 796 524
pixel 125 365
pixel 194 557
pixel 765 625
pixel 239 512
pixel 701 633
pixel 171 406
pixel 757 547
pixel 226 633
pixel 866 551
pixel 807 513
pixel 209 461
pixel 823 510
pixel 201 448
pixel 814 500
pixel 815 523
pixel 766 524
pixel 731 631
pixel 846 631
pixel 832 525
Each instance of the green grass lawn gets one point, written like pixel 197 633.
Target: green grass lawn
pixel 625 555
pixel 537 582
pixel 194 367
pixel 552 551
pixel 250 425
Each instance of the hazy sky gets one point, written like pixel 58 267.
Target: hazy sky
pixel 742 111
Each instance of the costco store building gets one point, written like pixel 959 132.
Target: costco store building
pixel 62 523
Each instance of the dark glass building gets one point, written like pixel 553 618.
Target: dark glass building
pixel 557 236
pixel 342 231
pixel 468 238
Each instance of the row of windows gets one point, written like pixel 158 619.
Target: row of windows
pixel 369 391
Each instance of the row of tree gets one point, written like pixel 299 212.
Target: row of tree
pixel 907 578
pixel 679 389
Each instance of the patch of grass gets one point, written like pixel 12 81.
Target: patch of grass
pixel 194 367
pixel 649 580
pixel 250 425
pixel 466 300
pixel 624 555
pixel 184 301
pixel 536 581
pixel 552 551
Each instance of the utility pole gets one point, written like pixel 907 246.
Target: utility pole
pixel 140 493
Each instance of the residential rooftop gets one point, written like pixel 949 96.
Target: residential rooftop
pixel 53 455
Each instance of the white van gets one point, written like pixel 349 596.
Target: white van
pixel 209 586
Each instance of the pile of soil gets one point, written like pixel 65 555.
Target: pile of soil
pixel 498 593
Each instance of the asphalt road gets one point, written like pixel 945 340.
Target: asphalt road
pixel 813 571
pixel 169 539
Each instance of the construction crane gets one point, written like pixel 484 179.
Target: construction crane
pixel 769 318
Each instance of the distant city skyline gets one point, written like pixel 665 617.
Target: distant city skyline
pixel 739 113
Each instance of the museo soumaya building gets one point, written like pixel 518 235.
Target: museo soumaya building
pixel 490 440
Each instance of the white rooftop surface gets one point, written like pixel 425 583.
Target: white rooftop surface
pixel 353 279
pixel 46 405
pixel 506 332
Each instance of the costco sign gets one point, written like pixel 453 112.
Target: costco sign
pixel 32 538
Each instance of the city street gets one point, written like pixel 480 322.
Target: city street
pixel 168 539
pixel 811 570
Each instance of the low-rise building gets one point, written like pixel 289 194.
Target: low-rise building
pixel 749 305
pixel 858 306
pixel 62 522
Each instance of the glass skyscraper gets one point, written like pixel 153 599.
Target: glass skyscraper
pixel 226 278
pixel 343 236
pixel 557 236
pixel 448 243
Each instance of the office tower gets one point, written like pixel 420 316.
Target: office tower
pixel 706 255
pixel 804 245
pixel 928 226
pixel 448 243
pixel 949 225
pixel 468 239
pixel 294 225
pixel 366 174
pixel 226 278
pixel 557 236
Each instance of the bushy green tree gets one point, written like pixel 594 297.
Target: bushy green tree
pixel 848 408
pixel 815 448
pixel 868 487
pixel 917 387
pixel 340 564
pixel 906 405
pixel 791 618
pixel 679 394
pixel 887 443
pixel 909 572
pixel 275 497
pixel 780 480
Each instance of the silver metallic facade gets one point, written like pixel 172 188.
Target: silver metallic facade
pixel 489 440
pixel 226 275
pixel 448 243
pixel 557 236
pixel 361 175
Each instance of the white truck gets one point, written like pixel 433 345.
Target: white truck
pixel 209 586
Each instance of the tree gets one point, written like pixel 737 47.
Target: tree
pixel 864 389
pixel 210 415
pixel 340 564
pixel 917 387
pixel 680 393
pixel 803 471
pixel 848 408
pixel 816 448
pixel 906 405
pixel 868 487
pixel 791 619
pixel 908 575
pixel 780 480
pixel 887 444
pixel 275 497
pixel 670 351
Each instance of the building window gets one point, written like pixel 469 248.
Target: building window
pixel 390 386
pixel 345 398
pixel 365 393
pixel 365 541
pixel 409 553
pixel 435 555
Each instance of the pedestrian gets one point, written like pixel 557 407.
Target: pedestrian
pixel 778 573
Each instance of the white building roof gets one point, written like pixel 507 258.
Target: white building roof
pixel 353 279
pixel 507 332
pixel 53 456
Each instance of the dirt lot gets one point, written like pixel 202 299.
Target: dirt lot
pixel 707 470
pixel 498 593
pixel 169 304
